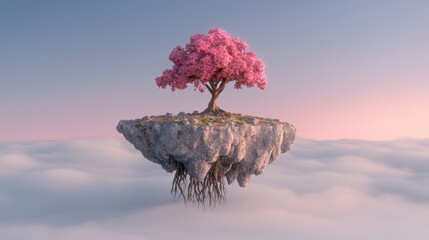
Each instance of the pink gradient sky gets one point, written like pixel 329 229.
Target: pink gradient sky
pixel 335 70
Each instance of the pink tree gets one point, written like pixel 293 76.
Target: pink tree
pixel 210 62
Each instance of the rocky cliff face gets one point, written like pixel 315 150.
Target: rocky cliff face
pixel 244 145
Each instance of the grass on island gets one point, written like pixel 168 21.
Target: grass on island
pixel 206 119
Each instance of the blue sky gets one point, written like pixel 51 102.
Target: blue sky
pixel 336 69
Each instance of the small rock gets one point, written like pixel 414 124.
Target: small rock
pixel 168 115
pixel 195 112
pixel 181 114
pixel 193 120
pixel 252 121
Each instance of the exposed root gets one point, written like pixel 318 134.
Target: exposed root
pixel 179 181
pixel 216 112
pixel 211 190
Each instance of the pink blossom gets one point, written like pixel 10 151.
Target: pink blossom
pixel 208 60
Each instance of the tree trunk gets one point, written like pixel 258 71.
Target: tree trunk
pixel 213 107
pixel 215 89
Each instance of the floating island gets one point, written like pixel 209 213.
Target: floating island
pixel 205 149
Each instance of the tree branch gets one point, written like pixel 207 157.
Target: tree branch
pixel 214 87
pixel 221 87
pixel 217 83
pixel 192 77
pixel 209 88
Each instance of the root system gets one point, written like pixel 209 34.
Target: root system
pixel 210 191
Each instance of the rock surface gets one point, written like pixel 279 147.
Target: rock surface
pixel 245 145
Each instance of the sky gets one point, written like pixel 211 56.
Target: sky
pixel 335 69
pixel 103 189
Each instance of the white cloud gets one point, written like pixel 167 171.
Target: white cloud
pixel 104 189
pixel 15 163
pixel 67 177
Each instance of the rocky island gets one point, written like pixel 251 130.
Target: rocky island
pixel 202 146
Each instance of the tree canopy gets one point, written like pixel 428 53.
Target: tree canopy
pixel 210 62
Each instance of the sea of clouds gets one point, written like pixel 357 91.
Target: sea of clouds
pixel 104 189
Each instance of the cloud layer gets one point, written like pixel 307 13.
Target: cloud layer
pixel 104 189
